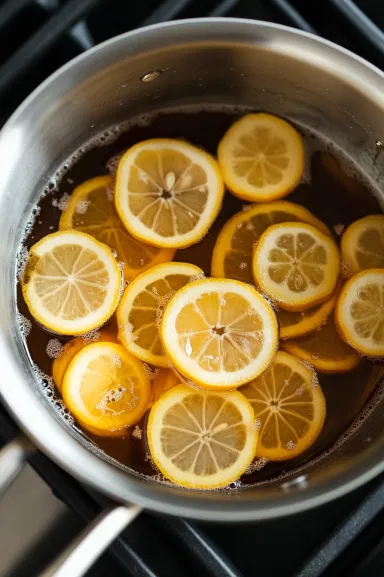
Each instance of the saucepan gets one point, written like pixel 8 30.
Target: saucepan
pixel 192 62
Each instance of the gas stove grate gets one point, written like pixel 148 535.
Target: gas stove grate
pixel 61 30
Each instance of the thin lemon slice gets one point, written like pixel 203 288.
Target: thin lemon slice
pixel 202 439
pixel 289 407
pixel 71 348
pixel 261 157
pixel 296 265
pixel 168 192
pixel 91 209
pixel 142 306
pixel 164 380
pixel 359 312
pixel 232 254
pixel 362 244
pixel 297 324
pixel 324 349
pixel 71 283
pixel 106 387
pixel 219 333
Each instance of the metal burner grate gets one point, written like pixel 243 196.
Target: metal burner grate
pixel 38 36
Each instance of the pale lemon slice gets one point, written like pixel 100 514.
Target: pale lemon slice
pixel 359 312
pixel 362 244
pixel 261 157
pixel 71 282
pixel 232 254
pixel 168 192
pixel 296 265
pixel 201 439
pixel 91 209
pixel 71 348
pixel 289 408
pixel 324 349
pixel 106 387
pixel 142 306
pixel 163 381
pixel 219 333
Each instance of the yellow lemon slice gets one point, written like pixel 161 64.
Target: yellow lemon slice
pixel 106 387
pixel 261 157
pixel 71 348
pixel 324 349
pixel 71 283
pixel 359 312
pixel 296 324
pixel 289 407
pixel 296 265
pixel 168 192
pixel 201 439
pixel 232 254
pixel 362 244
pixel 164 380
pixel 91 209
pixel 219 333
pixel 142 306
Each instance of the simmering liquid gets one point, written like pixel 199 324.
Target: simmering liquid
pixel 331 189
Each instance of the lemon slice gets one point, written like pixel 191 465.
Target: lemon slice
pixel 71 283
pixel 324 349
pixel 142 306
pixel 71 348
pixel 163 381
pixel 106 387
pixel 201 439
pixel 232 254
pixel 289 408
pixel 91 209
pixel 296 265
pixel 359 312
pixel 362 244
pixel 168 192
pixel 296 324
pixel 219 333
pixel 261 157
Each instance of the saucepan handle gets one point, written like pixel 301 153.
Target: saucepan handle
pixel 80 555
pixel 12 460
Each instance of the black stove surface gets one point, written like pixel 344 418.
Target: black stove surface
pixel 341 538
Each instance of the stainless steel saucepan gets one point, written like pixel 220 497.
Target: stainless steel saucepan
pixel 192 62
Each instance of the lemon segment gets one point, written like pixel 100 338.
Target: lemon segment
pixel 362 244
pixel 201 439
pixel 232 254
pixel 296 265
pixel 289 408
pixel 219 333
pixel 106 387
pixel 168 192
pixel 324 349
pixel 261 157
pixel 91 209
pixel 297 324
pixel 141 308
pixel 71 283
pixel 359 312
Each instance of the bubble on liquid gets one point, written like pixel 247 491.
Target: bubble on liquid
pixel 82 206
pixel 300 390
pixel 338 228
pixel 290 445
pixel 113 162
pixel 54 349
pixel 197 277
pixel 246 207
pixel 24 324
pixel 256 465
pixel 243 265
pixel 62 202
pixel 152 372
pixel 137 433
pixel 345 269
pixel 257 424
pixel 70 181
pixel 21 262
pixel 116 360
pixel 92 336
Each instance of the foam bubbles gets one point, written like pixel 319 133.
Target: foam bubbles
pixel 82 206
pixel 54 349
pixel 137 433
pixel 62 202
pixel 21 262
pixel 24 324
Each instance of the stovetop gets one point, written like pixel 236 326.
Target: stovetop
pixel 341 538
